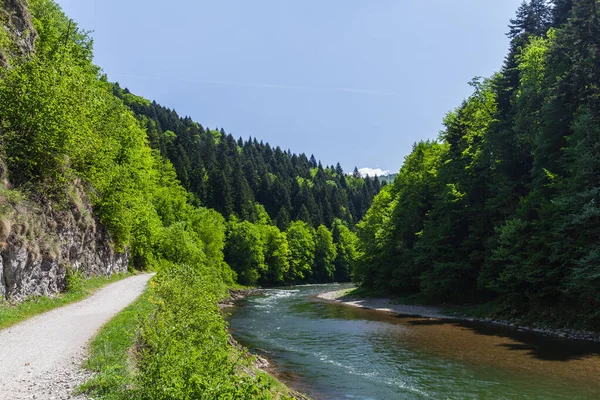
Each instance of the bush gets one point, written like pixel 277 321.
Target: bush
pixel 74 280
pixel 185 351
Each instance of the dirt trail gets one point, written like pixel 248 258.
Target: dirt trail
pixel 41 358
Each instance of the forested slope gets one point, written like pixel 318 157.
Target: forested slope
pixel 230 175
pixel 504 205
pixel 73 154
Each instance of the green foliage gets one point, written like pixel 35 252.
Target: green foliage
pixel 300 237
pixel 277 255
pixel 111 357
pixel 504 207
pixel 74 280
pixel 245 251
pixel 325 254
pixel 210 228
pixel 372 241
pixel 346 245
pixel 185 353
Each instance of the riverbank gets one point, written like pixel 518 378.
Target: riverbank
pixel 392 306
pixel 260 364
pixel 237 294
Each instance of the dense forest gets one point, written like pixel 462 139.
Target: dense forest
pixel 203 210
pixel 289 219
pixel 504 206
pixel 230 175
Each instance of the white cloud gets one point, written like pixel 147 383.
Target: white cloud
pixel 373 171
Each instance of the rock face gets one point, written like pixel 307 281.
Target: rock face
pixel 24 272
pixel 17 30
pixel 39 243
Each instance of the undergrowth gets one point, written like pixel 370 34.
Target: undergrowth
pixel 112 355
pixel 172 343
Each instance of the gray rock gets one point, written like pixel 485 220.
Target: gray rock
pixel 45 242
pixel 16 21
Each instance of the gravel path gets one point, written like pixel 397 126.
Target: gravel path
pixel 41 358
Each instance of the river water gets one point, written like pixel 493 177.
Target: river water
pixel 333 351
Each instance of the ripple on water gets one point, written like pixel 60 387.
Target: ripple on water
pixel 332 351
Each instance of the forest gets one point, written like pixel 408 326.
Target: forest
pixel 203 210
pixel 500 209
pixel 230 175
pixel 289 219
pixel 503 207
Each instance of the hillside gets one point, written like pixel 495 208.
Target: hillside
pixel 88 188
pixel 389 178
pixel 503 208
pixel 230 175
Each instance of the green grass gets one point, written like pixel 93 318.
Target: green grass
pixel 485 310
pixel 13 314
pixel 366 293
pixel 111 357
pixel 278 389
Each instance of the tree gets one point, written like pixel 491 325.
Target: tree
pixel 245 251
pixel 301 242
pixel 277 255
pixel 346 245
pixel 533 17
pixel 323 269
pixel 561 11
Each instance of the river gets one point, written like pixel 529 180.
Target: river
pixel 333 351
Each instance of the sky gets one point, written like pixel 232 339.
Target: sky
pixel 350 81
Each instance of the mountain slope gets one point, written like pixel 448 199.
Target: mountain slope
pixel 503 208
pixel 230 175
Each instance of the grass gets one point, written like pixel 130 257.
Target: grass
pixel 13 314
pixel 485 310
pixel 113 361
pixel 365 293
pixel 278 389
pixel 111 358
pixel 368 293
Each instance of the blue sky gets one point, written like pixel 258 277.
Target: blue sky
pixel 354 81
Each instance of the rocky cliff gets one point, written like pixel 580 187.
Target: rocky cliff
pixel 41 239
pixel 40 242
pixel 17 35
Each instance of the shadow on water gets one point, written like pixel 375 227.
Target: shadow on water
pixel 333 351
pixel 532 343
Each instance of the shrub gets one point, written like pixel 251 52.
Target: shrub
pixel 185 351
pixel 74 280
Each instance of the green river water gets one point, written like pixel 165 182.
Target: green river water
pixel 333 351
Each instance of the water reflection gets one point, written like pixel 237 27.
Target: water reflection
pixel 534 344
pixel 333 351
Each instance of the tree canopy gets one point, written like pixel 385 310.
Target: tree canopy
pixel 503 206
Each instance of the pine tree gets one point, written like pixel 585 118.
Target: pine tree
pixel 561 12
pixel 532 17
